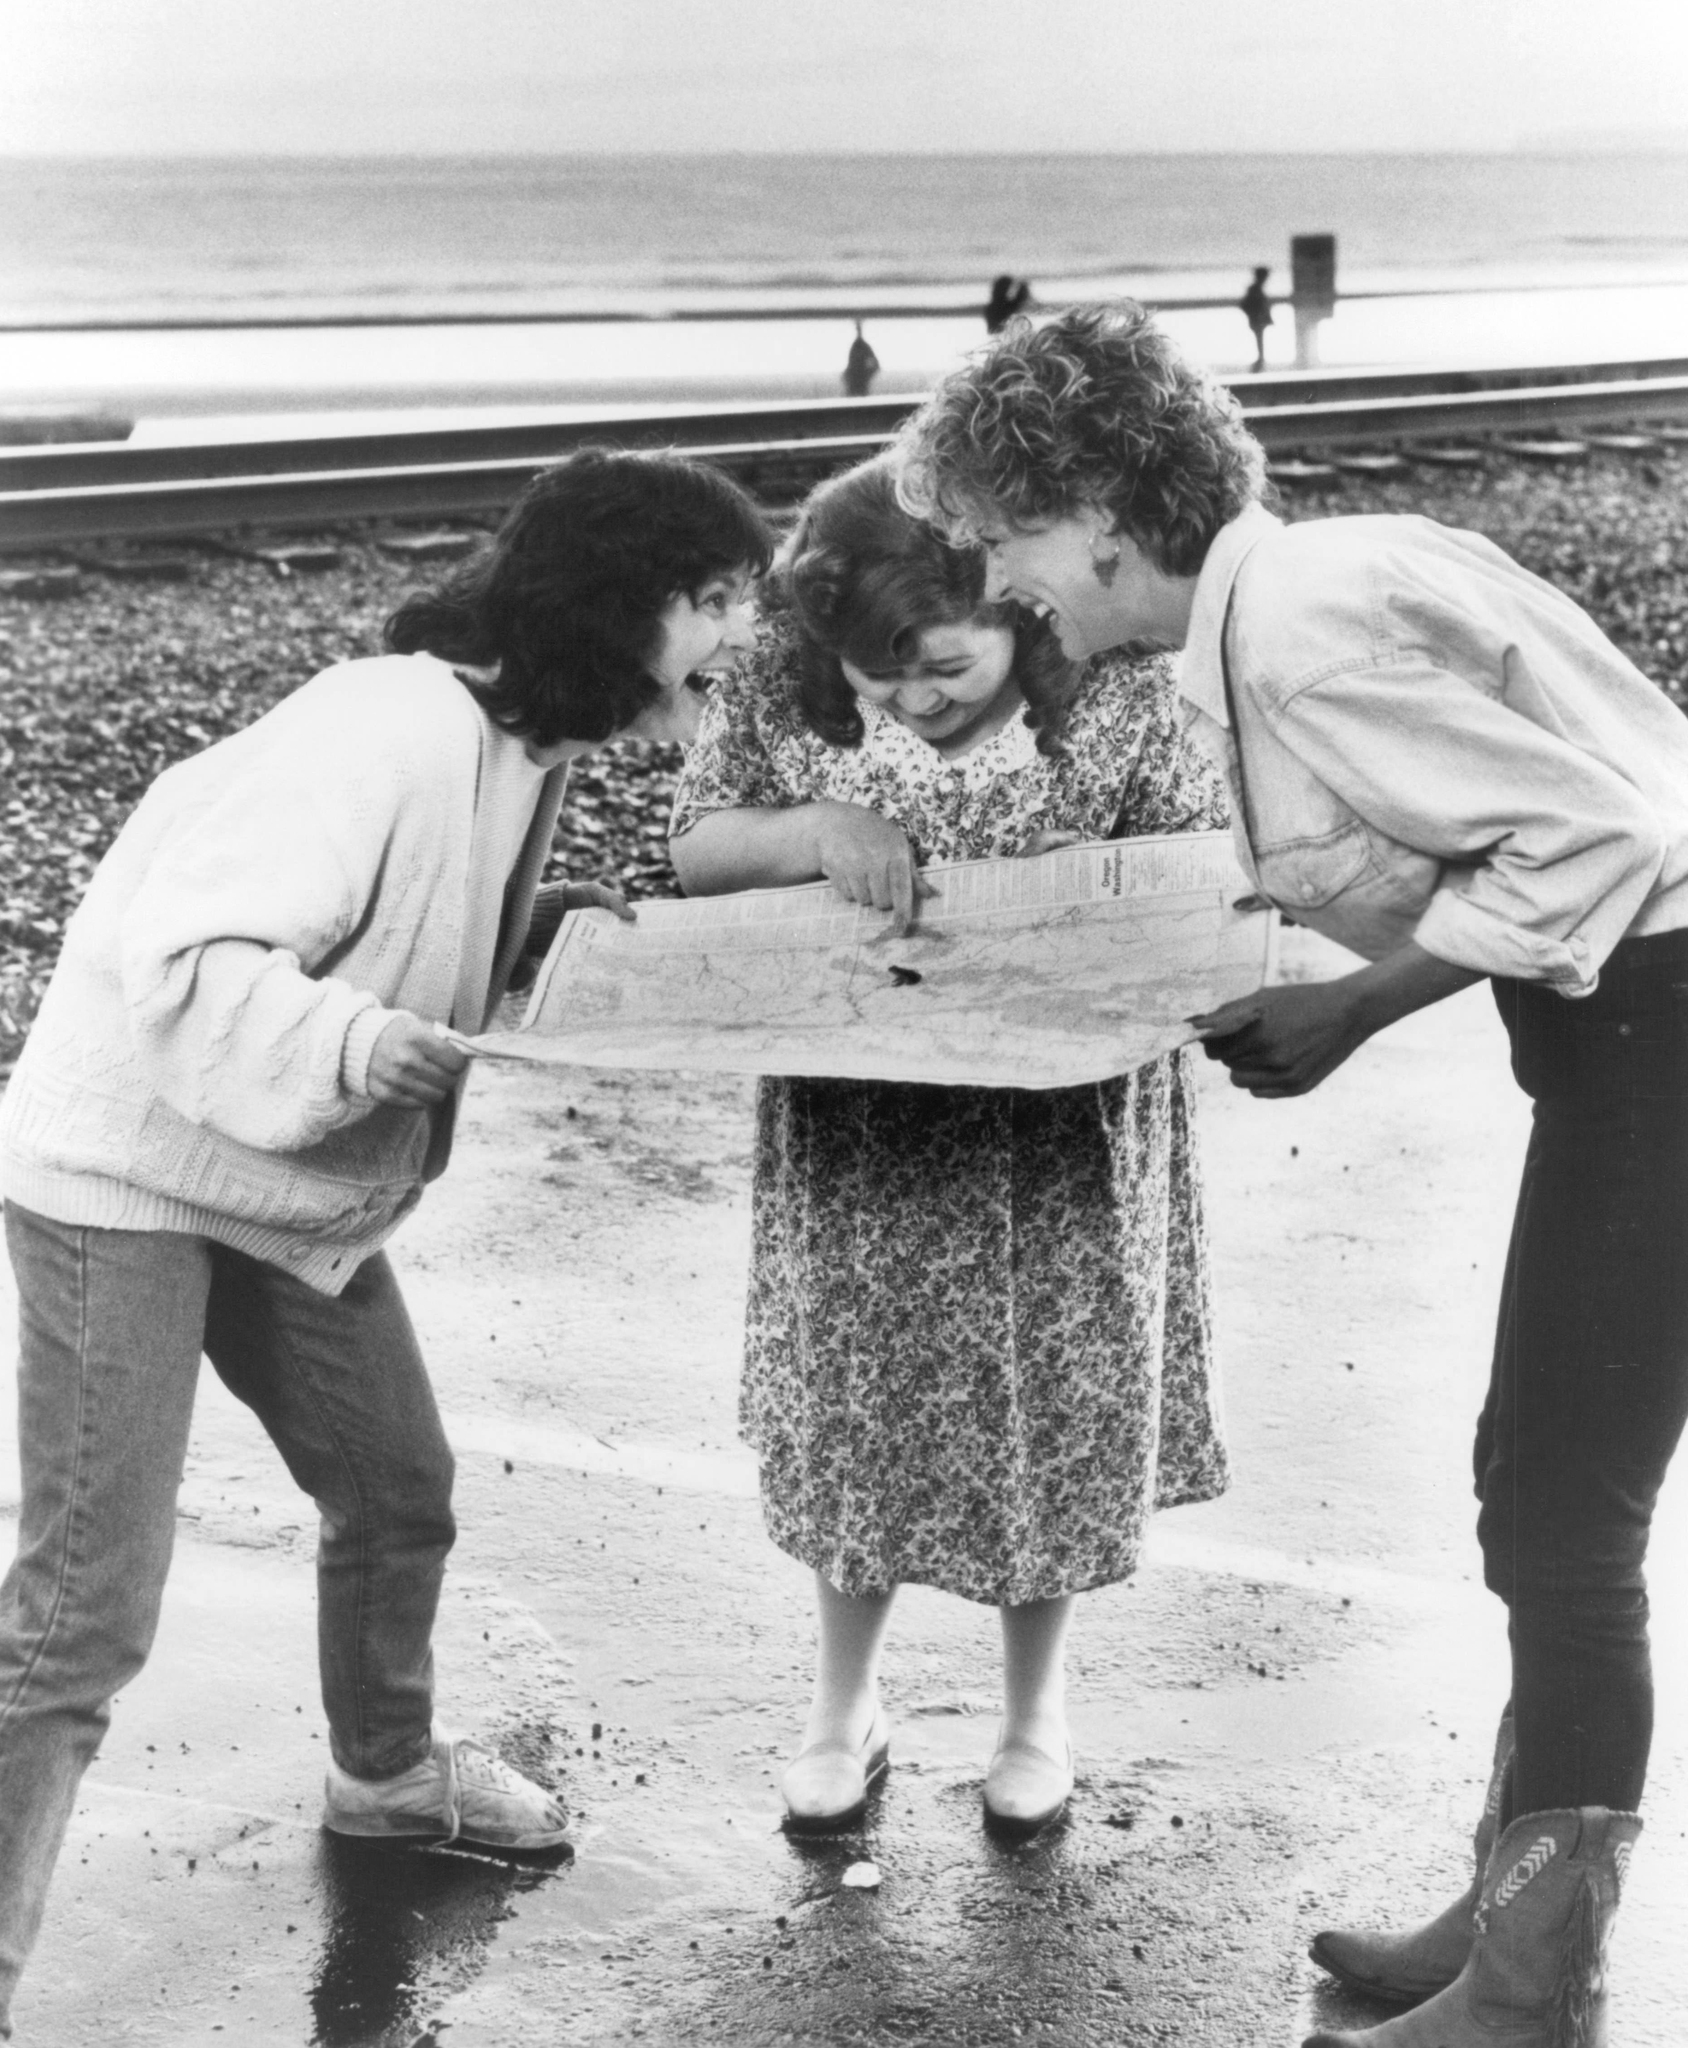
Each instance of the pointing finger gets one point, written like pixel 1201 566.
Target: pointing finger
pixel 902 897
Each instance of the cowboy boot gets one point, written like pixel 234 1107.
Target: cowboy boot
pixel 1536 1975
pixel 1407 1968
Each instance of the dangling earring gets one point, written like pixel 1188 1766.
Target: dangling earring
pixel 1103 567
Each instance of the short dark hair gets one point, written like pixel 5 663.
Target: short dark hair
pixel 564 600
pixel 863 580
pixel 1095 407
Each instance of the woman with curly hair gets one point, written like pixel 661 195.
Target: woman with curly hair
pixel 978 1342
pixel 241 1077
pixel 1438 760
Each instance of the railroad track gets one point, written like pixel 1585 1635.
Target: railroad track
pixel 59 496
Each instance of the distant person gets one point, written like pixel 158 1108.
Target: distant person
pixel 239 1082
pixel 1007 298
pixel 1256 305
pixel 978 1339
pixel 861 366
pixel 1442 763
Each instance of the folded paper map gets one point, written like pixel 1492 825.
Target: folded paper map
pixel 1040 973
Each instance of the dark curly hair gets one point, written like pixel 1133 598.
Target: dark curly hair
pixel 1095 407
pixel 564 601
pixel 862 580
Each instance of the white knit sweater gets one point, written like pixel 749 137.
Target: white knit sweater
pixel 201 1059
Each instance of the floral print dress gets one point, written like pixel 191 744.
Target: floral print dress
pixel 979 1343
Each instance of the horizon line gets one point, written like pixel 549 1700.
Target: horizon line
pixel 1571 145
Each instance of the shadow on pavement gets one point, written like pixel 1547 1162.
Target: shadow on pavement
pixel 401 1926
pixel 1105 1923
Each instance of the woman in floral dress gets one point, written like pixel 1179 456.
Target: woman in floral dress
pixel 978 1349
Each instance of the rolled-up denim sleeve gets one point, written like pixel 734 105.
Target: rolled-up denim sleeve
pixel 1549 853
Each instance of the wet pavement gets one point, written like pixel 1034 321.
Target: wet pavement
pixel 1285 1719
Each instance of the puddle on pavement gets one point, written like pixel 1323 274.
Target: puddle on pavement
pixel 399 1929
pixel 1145 1895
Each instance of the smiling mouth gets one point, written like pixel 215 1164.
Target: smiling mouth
pixel 702 680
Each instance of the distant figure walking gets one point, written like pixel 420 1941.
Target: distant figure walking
pixel 1007 298
pixel 1256 305
pixel 861 366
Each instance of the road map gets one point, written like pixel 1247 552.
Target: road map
pixel 1040 973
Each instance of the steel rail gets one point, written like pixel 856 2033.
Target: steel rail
pixel 776 467
pixel 74 464
pixel 113 462
pixel 50 518
pixel 1287 387
pixel 1463 413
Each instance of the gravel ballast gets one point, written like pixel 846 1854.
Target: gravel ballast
pixel 109 676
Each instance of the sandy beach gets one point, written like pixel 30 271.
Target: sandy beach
pixel 214 385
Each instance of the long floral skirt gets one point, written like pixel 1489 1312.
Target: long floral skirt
pixel 978 1346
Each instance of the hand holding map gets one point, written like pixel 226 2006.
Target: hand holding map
pixel 1042 973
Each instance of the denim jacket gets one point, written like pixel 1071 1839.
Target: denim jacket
pixel 1423 741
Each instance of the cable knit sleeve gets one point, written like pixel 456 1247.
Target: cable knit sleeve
pixel 239 902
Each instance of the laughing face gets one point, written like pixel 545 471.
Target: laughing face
pixel 959 683
pixel 1068 572
pixel 700 634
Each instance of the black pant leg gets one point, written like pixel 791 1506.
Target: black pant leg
pixel 1590 1383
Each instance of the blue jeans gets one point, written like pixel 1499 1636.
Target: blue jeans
pixel 1589 1390
pixel 112 1324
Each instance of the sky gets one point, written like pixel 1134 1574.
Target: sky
pixel 345 77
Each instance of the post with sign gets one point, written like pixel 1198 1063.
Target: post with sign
pixel 1312 262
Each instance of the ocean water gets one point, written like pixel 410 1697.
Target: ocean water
pixel 117 240
pixel 126 238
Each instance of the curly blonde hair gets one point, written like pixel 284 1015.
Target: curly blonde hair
pixel 1093 408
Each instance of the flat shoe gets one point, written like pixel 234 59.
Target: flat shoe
pixel 1026 1788
pixel 825 1786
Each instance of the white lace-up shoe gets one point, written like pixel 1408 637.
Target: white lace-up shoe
pixel 462 1793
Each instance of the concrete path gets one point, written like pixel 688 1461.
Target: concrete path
pixel 1286 1719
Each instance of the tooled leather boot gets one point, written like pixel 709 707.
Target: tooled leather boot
pixel 1536 1975
pixel 1408 1968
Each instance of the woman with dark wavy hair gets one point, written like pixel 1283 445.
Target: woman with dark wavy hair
pixel 617 584
pixel 242 1075
pixel 598 561
pixel 978 1341
pixel 1438 760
